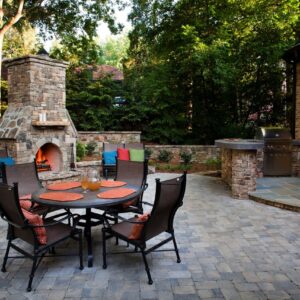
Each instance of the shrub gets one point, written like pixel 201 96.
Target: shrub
pixel 213 162
pixel 80 151
pixel 186 157
pixel 165 156
pixel 90 148
pixel 148 153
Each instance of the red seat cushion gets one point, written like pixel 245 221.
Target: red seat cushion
pixel 34 219
pixel 123 154
pixel 137 228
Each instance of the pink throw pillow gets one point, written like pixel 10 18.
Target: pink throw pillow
pixel 35 219
pixel 123 154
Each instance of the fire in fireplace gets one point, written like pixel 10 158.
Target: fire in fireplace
pixel 42 163
pixel 48 158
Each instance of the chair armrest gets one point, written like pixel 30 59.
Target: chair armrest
pixel 73 216
pixel 131 221
pixel 147 203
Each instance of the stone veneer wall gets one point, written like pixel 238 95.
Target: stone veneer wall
pixel 36 84
pixel 239 171
pixel 114 137
pixel 226 157
pixel 296 161
pixel 200 153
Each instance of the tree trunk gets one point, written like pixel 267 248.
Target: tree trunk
pixel 3 29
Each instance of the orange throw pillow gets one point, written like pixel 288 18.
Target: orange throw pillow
pixel 34 219
pixel 137 228
pixel 25 204
pixel 123 154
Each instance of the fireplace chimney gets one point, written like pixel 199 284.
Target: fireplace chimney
pixel 36 113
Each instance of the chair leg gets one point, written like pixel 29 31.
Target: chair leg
pixel 80 250
pixel 176 249
pixel 117 239
pixel 104 248
pixel 34 266
pixel 150 281
pixel 3 269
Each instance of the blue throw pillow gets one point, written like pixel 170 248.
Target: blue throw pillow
pixel 7 161
pixel 109 157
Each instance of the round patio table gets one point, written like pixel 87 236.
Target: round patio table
pixel 89 201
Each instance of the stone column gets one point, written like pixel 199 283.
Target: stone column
pixel 226 157
pixel 243 173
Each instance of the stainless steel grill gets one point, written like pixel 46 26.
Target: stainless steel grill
pixel 277 151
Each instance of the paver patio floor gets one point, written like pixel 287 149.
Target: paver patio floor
pixel 230 249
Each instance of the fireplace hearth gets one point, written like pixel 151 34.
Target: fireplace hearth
pixel 36 124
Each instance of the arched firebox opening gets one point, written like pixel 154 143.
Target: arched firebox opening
pixel 49 158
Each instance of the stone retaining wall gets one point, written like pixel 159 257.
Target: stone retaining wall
pixel 200 153
pixel 100 137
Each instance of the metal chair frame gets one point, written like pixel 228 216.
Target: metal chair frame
pixel 151 228
pixel 19 228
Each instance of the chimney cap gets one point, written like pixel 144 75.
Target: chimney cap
pixel 42 51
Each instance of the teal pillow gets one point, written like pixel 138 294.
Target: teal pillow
pixel 137 154
pixel 7 161
pixel 109 157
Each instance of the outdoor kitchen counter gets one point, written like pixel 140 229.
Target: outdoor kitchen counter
pixel 240 144
pixel 239 164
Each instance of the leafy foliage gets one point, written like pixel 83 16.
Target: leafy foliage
pixel 205 67
pixel 186 157
pixel 90 102
pixel 80 151
pixel 90 148
pixel 165 156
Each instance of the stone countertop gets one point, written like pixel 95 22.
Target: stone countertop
pixel 240 144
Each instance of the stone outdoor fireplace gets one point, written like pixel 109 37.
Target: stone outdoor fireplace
pixel 36 124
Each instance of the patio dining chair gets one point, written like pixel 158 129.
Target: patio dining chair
pixel 133 145
pixel 5 159
pixel 134 173
pixel 109 155
pixel 4 152
pixel 28 182
pixel 138 231
pixel 42 235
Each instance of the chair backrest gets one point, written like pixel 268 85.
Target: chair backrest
pixel 11 210
pixel 112 147
pixel 134 146
pixel 3 152
pixel 132 172
pixel 24 174
pixel 168 198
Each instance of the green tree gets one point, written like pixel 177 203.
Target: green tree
pixel 114 50
pixel 90 102
pixel 17 43
pixel 58 18
pixel 77 50
pixel 221 59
